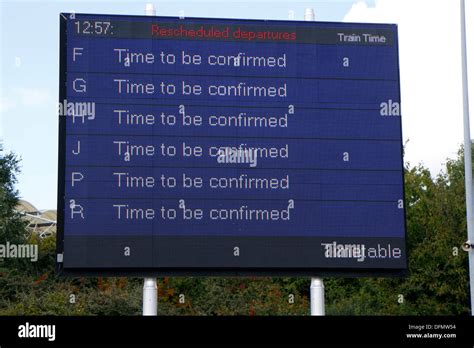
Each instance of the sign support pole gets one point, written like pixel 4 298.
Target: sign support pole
pixel 317 285
pixel 467 155
pixel 150 297
pixel 317 297
pixel 150 290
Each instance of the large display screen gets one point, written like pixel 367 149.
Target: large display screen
pixel 215 146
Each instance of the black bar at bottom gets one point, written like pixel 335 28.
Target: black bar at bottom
pixel 134 331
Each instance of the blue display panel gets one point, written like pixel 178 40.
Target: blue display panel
pixel 215 146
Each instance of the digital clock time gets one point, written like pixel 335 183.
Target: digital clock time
pixel 94 27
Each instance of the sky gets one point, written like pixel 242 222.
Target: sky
pixel 430 70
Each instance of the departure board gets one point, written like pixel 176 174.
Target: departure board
pixel 197 146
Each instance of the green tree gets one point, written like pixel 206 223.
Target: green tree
pixel 12 227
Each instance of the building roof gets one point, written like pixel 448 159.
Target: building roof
pixel 41 222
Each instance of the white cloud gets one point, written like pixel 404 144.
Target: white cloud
pixel 430 69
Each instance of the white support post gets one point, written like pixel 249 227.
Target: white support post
pixel 317 297
pixel 309 15
pixel 150 297
pixel 467 155
pixel 150 290
pixel 150 10
pixel 317 285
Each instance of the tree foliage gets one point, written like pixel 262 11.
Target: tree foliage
pixel 12 228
